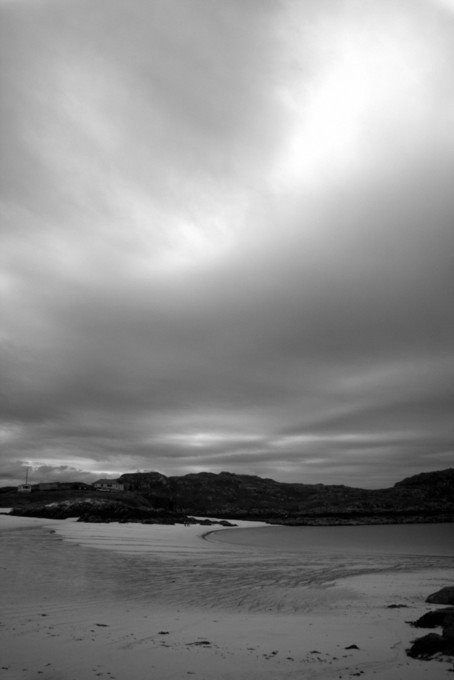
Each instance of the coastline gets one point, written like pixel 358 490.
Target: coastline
pixel 165 634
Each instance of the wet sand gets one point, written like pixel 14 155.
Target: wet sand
pixel 136 602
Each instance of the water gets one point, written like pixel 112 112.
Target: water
pixel 434 540
pixel 268 569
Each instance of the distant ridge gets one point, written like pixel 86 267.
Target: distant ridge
pixel 440 478
pixel 246 496
pixel 426 497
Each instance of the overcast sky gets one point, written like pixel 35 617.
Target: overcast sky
pixel 227 238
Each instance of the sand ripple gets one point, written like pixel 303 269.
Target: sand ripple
pixel 201 574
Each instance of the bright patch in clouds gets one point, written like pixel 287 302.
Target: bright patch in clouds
pixel 372 81
pixel 211 439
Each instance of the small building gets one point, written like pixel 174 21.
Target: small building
pixel 24 488
pixel 108 485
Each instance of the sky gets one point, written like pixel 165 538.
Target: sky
pixel 227 238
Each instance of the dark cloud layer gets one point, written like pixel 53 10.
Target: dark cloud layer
pixel 227 238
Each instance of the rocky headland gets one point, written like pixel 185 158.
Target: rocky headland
pixel 154 498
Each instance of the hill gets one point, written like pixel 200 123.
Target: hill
pixel 427 497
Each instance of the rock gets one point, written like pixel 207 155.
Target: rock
pixel 397 606
pixel 352 647
pixel 426 647
pixel 443 596
pixel 433 619
pixel 429 645
pixel 448 632
pixel 432 644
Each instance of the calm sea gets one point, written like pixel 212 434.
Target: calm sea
pixel 434 540
pixel 263 569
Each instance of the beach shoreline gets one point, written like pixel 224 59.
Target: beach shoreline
pixel 167 636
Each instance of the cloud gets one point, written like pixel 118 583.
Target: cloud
pixel 228 238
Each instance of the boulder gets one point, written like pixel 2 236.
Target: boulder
pixel 426 647
pixel 443 596
pixel 448 631
pixel 433 619
pixel 429 645
pixel 448 638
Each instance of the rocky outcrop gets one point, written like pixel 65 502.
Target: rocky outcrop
pixel 107 510
pixel 95 510
pixel 428 646
pixel 434 644
pixel 63 509
pixel 443 596
pixel 428 497
pixel 442 480
pixel 435 618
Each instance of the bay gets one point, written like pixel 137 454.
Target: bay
pixel 435 540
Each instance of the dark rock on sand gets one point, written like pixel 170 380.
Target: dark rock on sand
pixel 352 647
pixel 397 606
pixel 448 633
pixel 443 596
pixel 433 619
pixel 427 646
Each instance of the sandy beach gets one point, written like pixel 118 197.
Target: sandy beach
pixel 136 602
